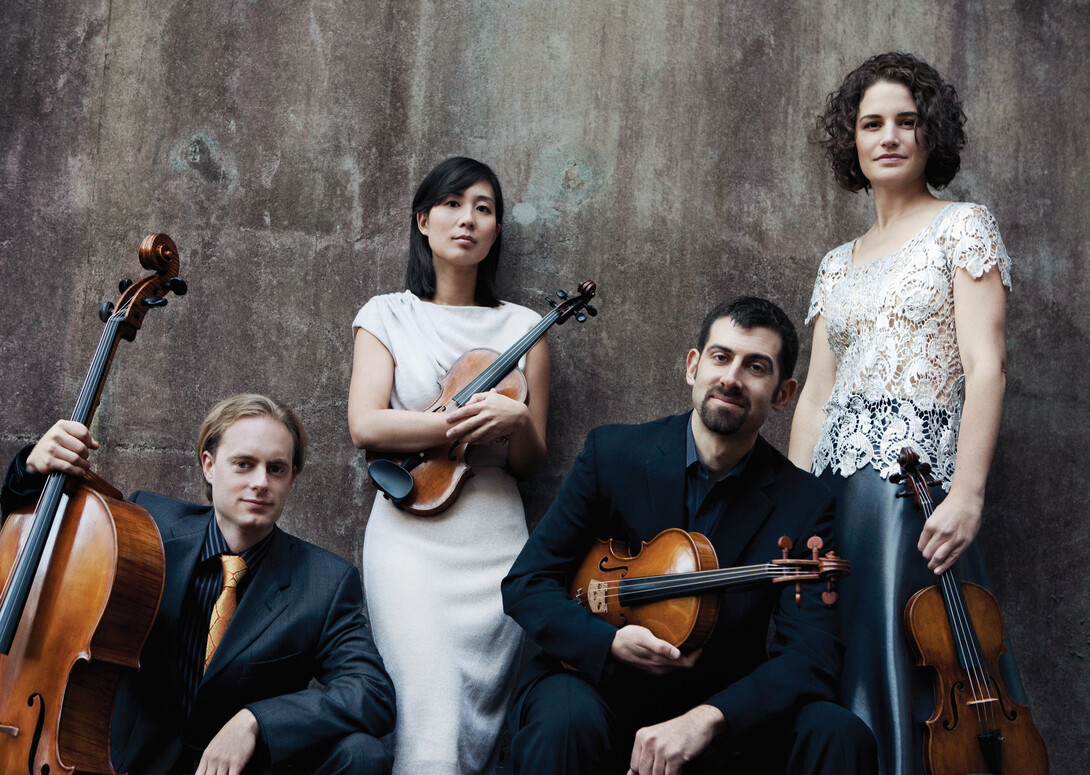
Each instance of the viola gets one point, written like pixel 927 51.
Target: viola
pixel 427 482
pixel 83 575
pixel 957 630
pixel 671 585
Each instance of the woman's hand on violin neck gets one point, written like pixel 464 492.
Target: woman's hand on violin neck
pixel 487 417
pixel 63 449
pixel 950 530
pixel 666 747
pixel 637 646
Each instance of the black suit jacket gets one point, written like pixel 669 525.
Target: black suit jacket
pixel 629 483
pixel 299 619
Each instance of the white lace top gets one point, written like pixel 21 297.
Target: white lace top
pixel 890 324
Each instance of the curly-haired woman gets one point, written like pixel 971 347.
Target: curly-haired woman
pixel 908 350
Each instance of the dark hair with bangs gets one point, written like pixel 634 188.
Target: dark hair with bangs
pixel 449 177
pixel 748 312
pixel 940 124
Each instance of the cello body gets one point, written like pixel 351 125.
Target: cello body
pixel 81 576
pixel 102 587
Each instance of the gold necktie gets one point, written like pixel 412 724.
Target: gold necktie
pixel 234 568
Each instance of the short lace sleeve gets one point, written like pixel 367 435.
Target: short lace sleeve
pixel 817 298
pixel 976 245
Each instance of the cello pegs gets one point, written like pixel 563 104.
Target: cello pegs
pixel 592 311
pixel 177 286
pixel 105 311
pixel 124 285
pixel 580 317
pixel 156 301
pixel 562 294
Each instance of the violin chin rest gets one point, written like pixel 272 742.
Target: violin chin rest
pixel 391 478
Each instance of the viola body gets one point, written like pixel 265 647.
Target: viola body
pixel 440 473
pixel 953 741
pixel 684 621
pixel 90 610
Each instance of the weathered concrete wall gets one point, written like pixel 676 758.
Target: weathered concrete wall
pixel 656 146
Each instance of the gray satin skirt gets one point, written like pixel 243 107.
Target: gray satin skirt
pixel 877 532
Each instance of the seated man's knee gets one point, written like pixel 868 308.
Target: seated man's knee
pixel 835 736
pixel 562 703
pixel 358 753
pixel 560 720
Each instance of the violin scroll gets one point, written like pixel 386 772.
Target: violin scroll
pixel 575 306
pixel 916 477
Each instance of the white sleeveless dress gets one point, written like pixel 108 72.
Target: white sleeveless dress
pixel 433 583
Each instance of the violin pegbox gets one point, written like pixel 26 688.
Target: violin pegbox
pixel 575 306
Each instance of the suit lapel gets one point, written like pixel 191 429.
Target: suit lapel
pixel 748 510
pixel 264 600
pixel 665 469
pixel 181 547
pixel 182 544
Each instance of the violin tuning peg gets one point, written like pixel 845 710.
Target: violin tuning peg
pixel 156 301
pixel 177 286
pixel 562 294
pixel 786 545
pixel 105 311
pixel 124 285
pixel 591 310
pixel 828 597
pixel 580 317
pixel 551 303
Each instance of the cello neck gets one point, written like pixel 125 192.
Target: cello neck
pixel 49 504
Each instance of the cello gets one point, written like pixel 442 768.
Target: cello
pixel 82 578
pixel 425 483
pixel 670 585
pixel 956 629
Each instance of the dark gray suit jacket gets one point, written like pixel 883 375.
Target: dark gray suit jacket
pixel 299 619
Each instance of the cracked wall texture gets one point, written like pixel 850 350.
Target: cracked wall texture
pixel 656 146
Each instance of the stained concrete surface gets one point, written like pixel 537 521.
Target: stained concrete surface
pixel 656 146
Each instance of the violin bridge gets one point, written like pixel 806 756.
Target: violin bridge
pixel 596 597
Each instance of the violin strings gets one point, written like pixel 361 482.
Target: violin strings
pixel 496 370
pixel 965 640
pixel 692 582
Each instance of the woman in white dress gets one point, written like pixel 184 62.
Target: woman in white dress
pixel 908 350
pixel 433 583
